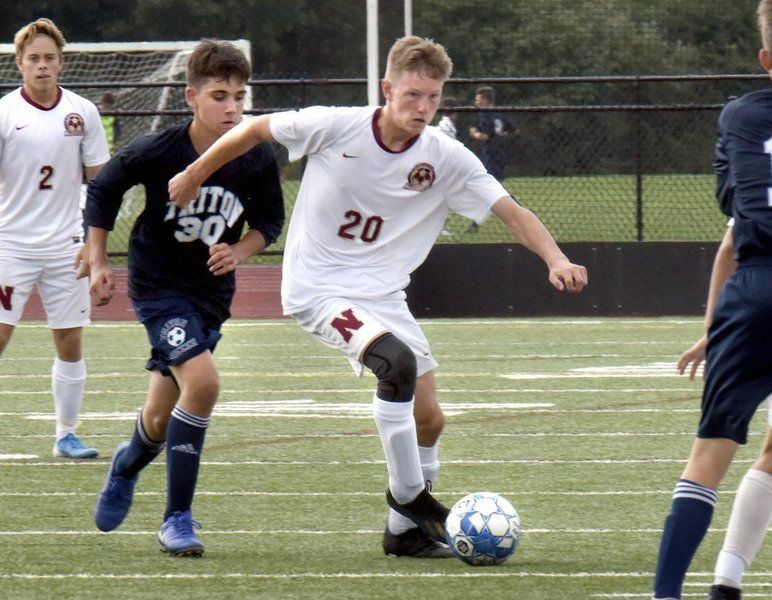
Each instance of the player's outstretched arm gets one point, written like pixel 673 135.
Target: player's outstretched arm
pixel 102 279
pixel 184 186
pixel 526 226
pixel 723 267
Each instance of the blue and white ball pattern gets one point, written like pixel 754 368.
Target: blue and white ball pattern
pixel 483 528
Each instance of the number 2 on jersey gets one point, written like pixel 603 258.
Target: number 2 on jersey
pixel 47 172
pixel 367 233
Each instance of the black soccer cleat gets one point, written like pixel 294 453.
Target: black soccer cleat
pixel 425 511
pixel 724 592
pixel 414 543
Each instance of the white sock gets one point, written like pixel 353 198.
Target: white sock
pixel 730 569
pixel 430 463
pixel 396 427
pixel 430 466
pixel 748 524
pixel 68 382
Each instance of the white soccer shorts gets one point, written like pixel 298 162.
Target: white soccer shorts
pixel 350 326
pixel 65 298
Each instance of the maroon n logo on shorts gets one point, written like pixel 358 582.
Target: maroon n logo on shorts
pixel 6 291
pixel 346 323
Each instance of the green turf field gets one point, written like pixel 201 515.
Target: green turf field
pixel 574 209
pixel 583 424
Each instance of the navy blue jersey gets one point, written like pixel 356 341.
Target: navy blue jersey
pixel 169 246
pixel 745 138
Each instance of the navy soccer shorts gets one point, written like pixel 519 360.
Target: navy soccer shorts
pixel 739 356
pixel 177 331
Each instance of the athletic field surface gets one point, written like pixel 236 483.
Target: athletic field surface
pixel 583 424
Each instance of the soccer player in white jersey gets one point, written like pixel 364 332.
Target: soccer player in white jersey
pixel 49 137
pixel 376 190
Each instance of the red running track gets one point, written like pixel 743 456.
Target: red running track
pixel 257 297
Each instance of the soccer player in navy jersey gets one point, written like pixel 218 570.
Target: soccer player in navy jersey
pixel 738 357
pixel 181 279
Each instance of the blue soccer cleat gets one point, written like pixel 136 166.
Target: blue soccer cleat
pixel 177 537
pixel 115 498
pixel 70 446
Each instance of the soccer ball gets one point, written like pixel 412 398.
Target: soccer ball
pixel 175 336
pixel 483 528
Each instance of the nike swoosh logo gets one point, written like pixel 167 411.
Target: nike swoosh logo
pixel 347 155
pixel 21 126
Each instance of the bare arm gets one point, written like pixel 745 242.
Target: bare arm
pixel 478 135
pixel 224 258
pixel 92 172
pixel 526 226
pixel 183 187
pixel 723 267
pixel 102 279
pixel 82 259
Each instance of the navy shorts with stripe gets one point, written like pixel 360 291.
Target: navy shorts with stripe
pixel 739 354
pixel 177 330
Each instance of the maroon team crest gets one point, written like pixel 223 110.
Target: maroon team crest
pixel 421 178
pixel 73 124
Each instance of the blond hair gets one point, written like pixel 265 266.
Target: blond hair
pixel 414 54
pixel 764 13
pixel 39 27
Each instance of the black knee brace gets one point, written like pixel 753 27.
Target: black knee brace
pixel 394 364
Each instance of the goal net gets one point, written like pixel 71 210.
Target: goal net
pixel 134 73
pixel 145 64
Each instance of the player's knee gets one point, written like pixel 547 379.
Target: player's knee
pixel 155 424
pixel 204 390
pixel 394 364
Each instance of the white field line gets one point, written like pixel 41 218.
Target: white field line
pixel 335 463
pixel 318 532
pixel 361 417
pixel 335 357
pixel 366 575
pixel 348 436
pixel 273 375
pixel 246 392
pixel 302 408
pixel 454 493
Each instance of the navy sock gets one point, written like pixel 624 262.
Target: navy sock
pixel 184 442
pixel 140 452
pixel 685 526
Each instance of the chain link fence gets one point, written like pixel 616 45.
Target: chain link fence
pixel 596 158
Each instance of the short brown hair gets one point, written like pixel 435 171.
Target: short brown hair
pixel 38 27
pixel 418 55
pixel 764 13
pixel 487 93
pixel 218 60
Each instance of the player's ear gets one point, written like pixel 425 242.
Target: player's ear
pixel 765 59
pixel 190 96
pixel 386 88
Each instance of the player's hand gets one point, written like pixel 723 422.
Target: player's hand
pixel 566 276
pixel 182 189
pixel 102 284
pixel 694 356
pixel 222 259
pixel 81 262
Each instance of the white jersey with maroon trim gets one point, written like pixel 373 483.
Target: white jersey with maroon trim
pixel 42 155
pixel 365 216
